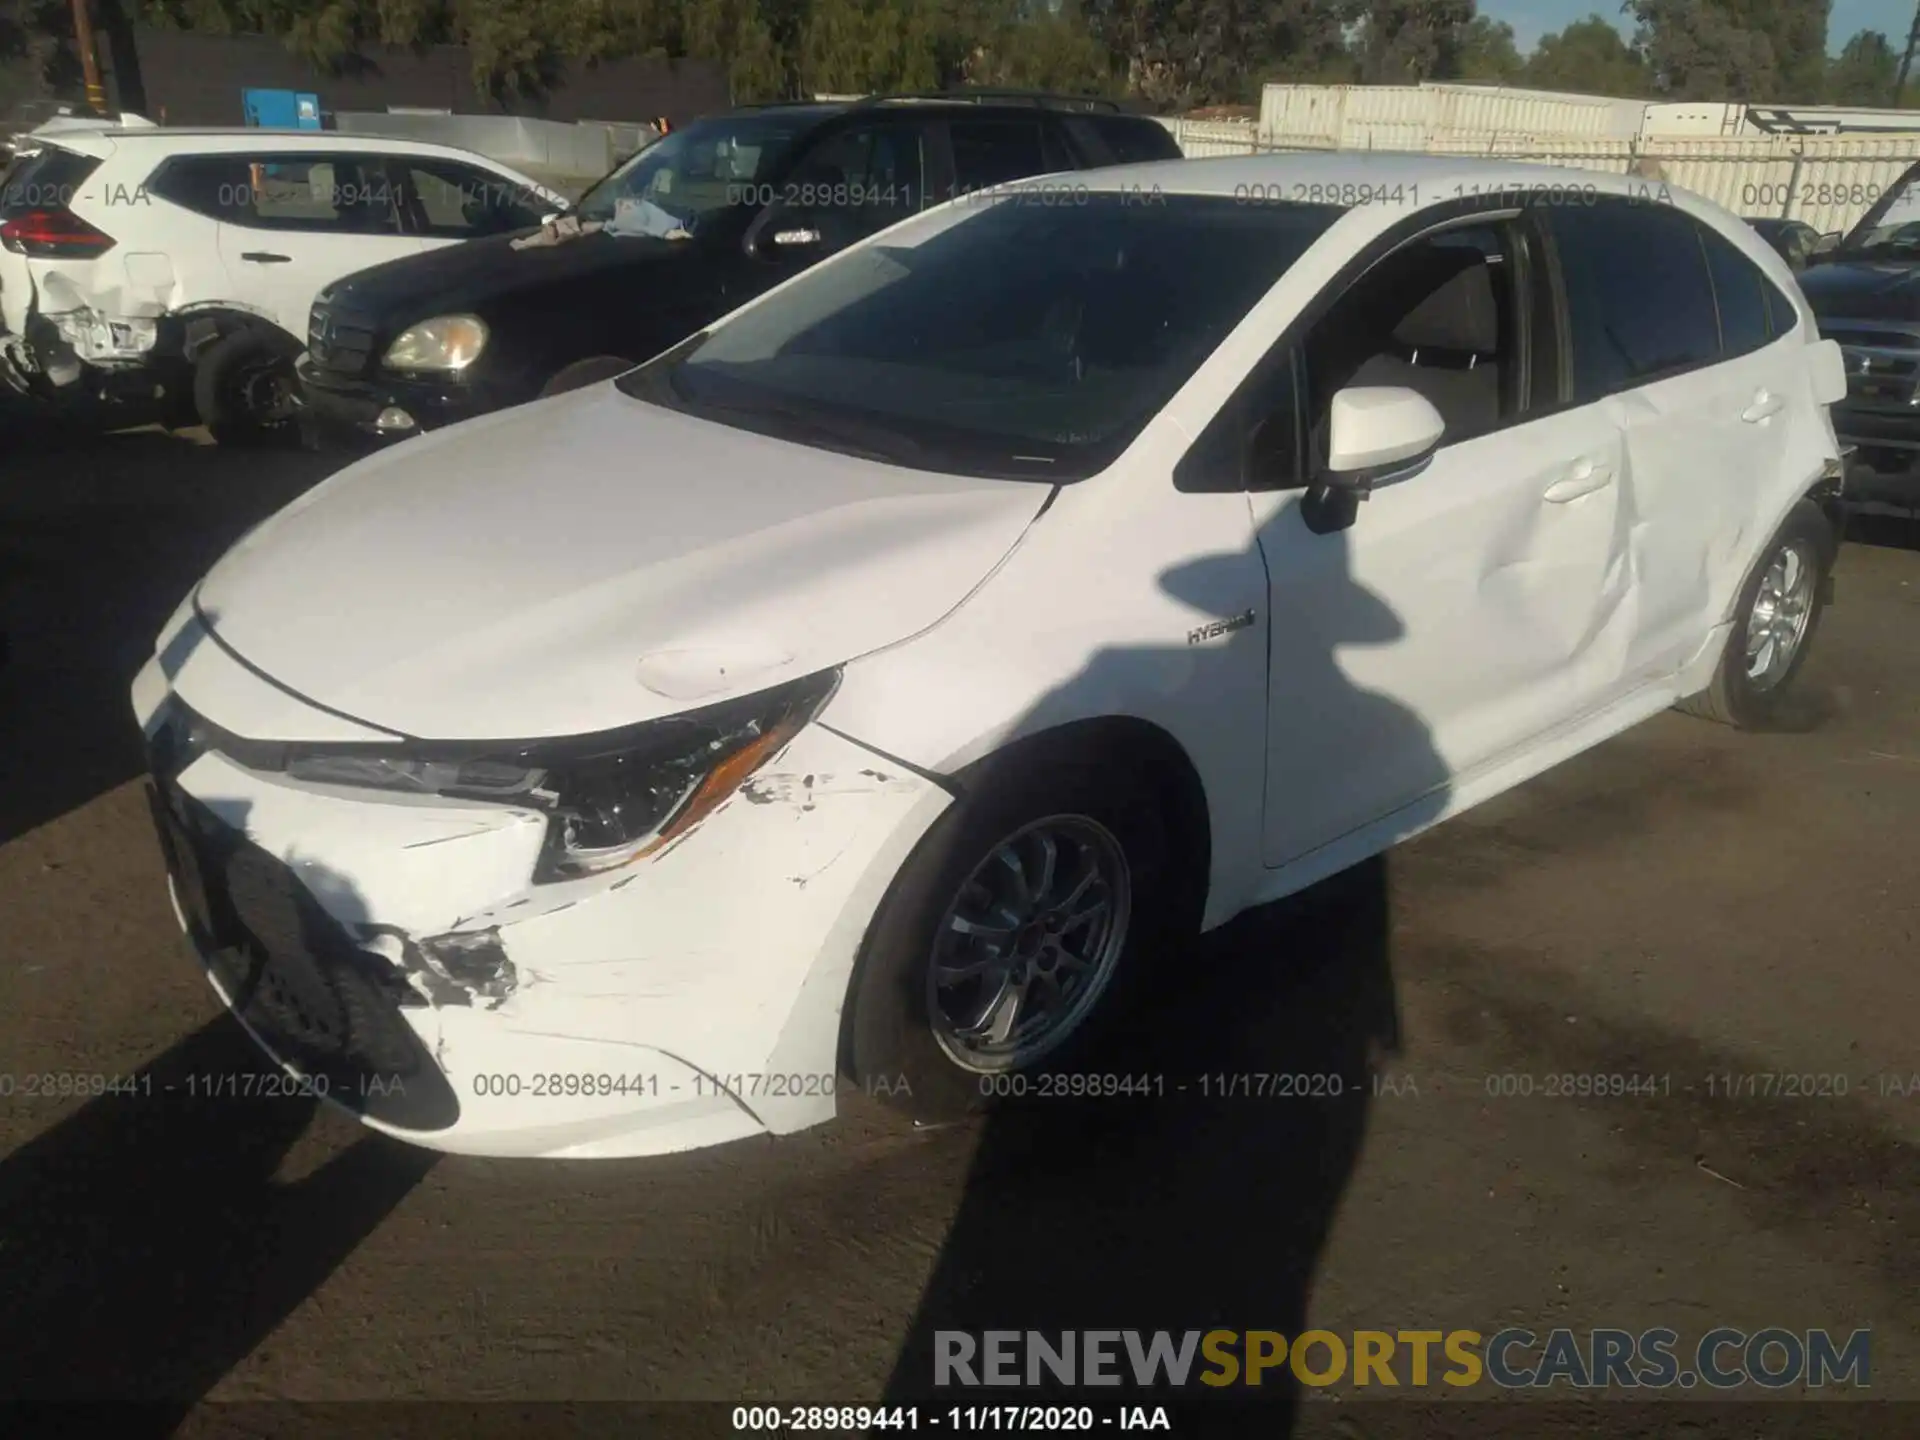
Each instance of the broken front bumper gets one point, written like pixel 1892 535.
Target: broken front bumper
pixel 393 950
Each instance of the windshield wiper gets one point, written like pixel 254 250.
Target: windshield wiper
pixel 871 442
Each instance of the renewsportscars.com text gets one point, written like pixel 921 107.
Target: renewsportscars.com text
pixel 1721 1359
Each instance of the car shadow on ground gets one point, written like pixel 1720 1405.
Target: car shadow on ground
pixel 101 536
pixel 1205 1204
pixel 151 1240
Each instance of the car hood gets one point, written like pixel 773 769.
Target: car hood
pixel 592 561
pixel 1863 290
pixel 466 276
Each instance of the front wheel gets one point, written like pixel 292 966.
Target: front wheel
pixel 1015 935
pixel 1773 624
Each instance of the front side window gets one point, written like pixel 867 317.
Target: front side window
pixel 857 182
pixel 1639 298
pixel 685 181
pixel 1013 339
pixel 1441 317
pixel 463 202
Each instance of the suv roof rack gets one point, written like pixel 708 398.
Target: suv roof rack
pixel 969 94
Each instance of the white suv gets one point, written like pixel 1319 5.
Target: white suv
pixel 185 262
pixel 876 682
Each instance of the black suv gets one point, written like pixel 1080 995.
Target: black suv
pixel 1865 293
pixel 690 228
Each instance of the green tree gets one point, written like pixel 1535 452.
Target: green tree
pixel 1402 42
pixel 1758 50
pixel 1487 53
pixel 1863 72
pixel 1589 58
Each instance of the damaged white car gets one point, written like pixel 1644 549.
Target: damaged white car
pixel 870 689
pixel 145 263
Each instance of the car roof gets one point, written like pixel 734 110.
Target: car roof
pixel 239 139
pixel 1308 177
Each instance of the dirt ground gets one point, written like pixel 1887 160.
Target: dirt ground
pixel 1685 902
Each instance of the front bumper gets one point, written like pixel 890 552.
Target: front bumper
pixel 340 409
pixel 1884 467
pixel 393 952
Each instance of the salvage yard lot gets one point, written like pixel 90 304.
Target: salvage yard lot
pixel 1685 903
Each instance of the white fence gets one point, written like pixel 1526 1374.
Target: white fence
pixel 1827 181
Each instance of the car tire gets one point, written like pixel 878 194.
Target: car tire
pixel 242 388
pixel 583 373
pixel 1098 807
pixel 1784 596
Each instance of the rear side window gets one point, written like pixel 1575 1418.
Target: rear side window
pixel 992 152
pixel 333 194
pixel 1133 140
pixel 48 181
pixel 1740 293
pixel 1638 294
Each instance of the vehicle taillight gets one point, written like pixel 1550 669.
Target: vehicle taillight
pixel 54 235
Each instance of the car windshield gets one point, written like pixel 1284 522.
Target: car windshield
pixel 1017 338
pixel 1891 229
pixel 689 176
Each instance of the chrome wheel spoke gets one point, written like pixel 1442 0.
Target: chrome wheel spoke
pixel 998 934
pixel 1049 857
pixel 994 1023
pixel 1029 944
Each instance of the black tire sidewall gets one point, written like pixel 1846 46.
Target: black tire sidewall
pixel 229 422
pixel 889 1044
pixel 1756 708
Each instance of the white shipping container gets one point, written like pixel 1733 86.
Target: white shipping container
pixel 1406 117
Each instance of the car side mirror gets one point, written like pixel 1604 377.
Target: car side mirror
pixel 1378 434
pixel 1826 243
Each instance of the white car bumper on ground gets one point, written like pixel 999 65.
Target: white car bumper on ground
pixel 395 950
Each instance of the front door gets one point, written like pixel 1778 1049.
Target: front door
pixel 1468 609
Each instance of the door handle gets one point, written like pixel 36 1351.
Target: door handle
pixel 1583 479
pixel 1764 404
pixel 265 257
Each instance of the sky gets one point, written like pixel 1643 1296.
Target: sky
pixel 1531 19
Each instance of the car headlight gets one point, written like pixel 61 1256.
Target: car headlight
pixel 610 799
pixel 446 342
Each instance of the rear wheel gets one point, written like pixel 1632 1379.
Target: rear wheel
pixel 583 373
pixel 1774 624
pixel 243 389
pixel 1015 936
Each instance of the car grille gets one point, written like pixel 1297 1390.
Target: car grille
pixel 339 341
pixel 295 975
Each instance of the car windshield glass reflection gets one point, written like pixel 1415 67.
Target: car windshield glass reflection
pixel 1031 338
pixel 684 180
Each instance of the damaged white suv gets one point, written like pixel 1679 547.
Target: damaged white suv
pixel 181 264
pixel 869 689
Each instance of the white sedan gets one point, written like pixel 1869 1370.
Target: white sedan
pixel 867 691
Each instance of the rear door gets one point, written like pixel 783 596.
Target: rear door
pixel 995 149
pixel 1646 347
pixel 292 224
